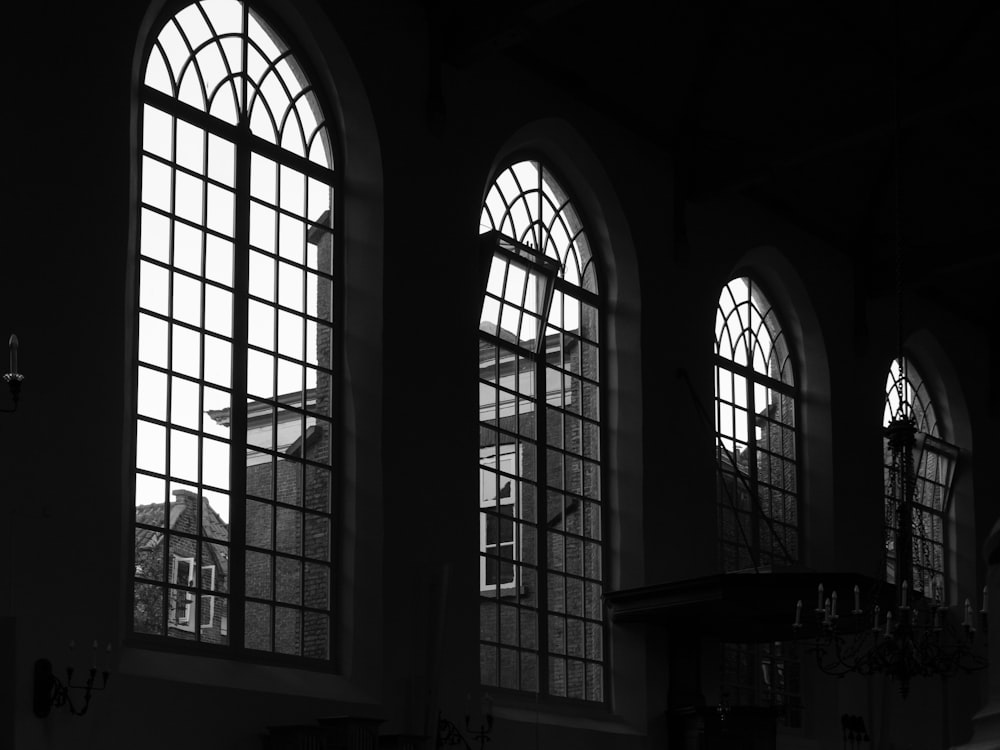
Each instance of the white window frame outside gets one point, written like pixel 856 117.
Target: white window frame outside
pixel 508 469
pixel 207 600
pixel 180 614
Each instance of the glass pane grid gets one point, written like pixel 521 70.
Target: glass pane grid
pixel 187 310
pixel 276 307
pixel 195 277
pixel 755 440
pixel 520 648
pixel 932 487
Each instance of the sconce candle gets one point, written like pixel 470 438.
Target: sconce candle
pixel 13 378
pixel 13 354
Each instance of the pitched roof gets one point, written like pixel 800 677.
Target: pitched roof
pixel 152 515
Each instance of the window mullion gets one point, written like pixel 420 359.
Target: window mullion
pixel 756 511
pixel 541 514
pixel 238 422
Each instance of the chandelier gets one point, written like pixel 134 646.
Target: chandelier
pixel 909 631
pixel 905 633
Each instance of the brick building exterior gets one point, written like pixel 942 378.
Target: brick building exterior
pixel 288 515
pixel 191 614
pixel 542 572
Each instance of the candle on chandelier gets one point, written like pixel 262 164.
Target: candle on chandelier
pixel 833 601
pixel 877 610
pixel 904 589
pixel 888 624
pixel 968 614
pixel 857 599
pixel 819 599
pixel 798 613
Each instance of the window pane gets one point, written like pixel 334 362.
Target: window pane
pixel 188 197
pixel 258 626
pixel 219 260
pixel 156 184
pixel 221 160
pixel 190 146
pixel 155 288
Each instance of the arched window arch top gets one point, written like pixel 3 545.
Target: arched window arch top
pixel 526 203
pixel 220 57
pixel 906 380
pixel 748 333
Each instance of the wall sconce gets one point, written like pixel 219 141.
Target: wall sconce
pixel 449 734
pixel 50 691
pixel 13 378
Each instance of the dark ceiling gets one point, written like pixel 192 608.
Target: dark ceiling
pixel 794 105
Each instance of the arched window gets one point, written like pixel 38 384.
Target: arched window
pixel 234 369
pixel 541 563
pixel 934 461
pixel 756 435
pixel 757 487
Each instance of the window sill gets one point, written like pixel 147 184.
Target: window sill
pixel 241 675
pixel 596 719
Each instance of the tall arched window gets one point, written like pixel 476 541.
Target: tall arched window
pixel 756 438
pixel 757 488
pixel 235 349
pixel 934 461
pixel 541 563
